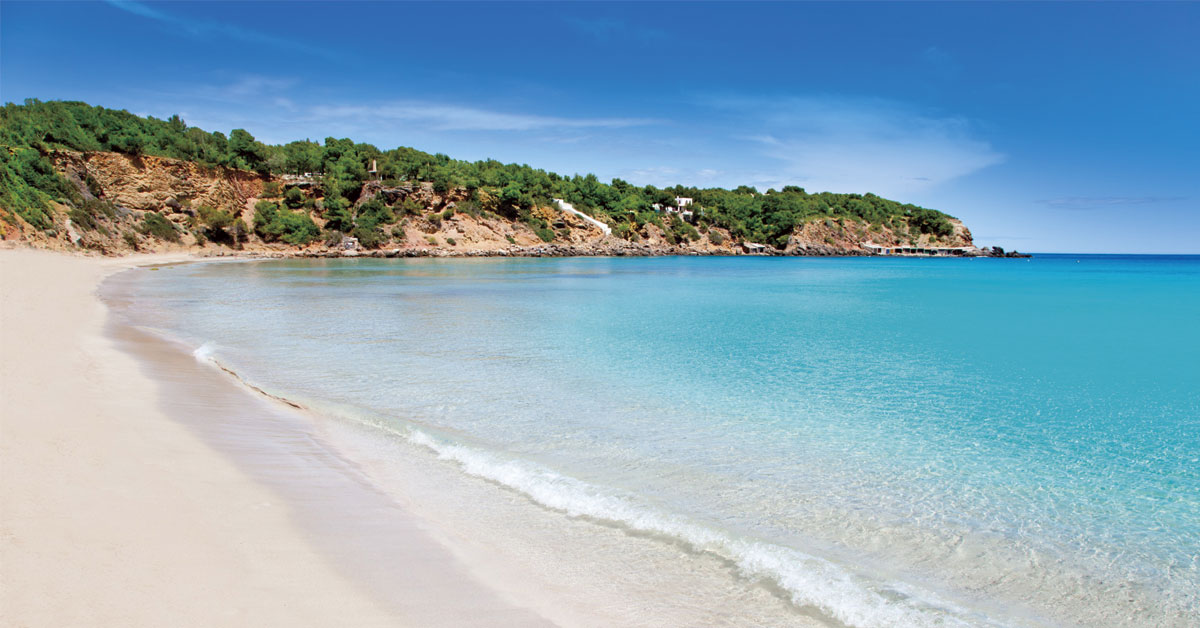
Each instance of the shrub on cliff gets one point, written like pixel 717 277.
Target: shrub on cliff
pixel 369 237
pixel 411 207
pixel 540 227
pixel 273 224
pixel 218 223
pixel 82 219
pixel 374 212
pixel 295 228
pixel 27 182
pixel 294 198
pixel 264 213
pixel 154 225
pixel 239 231
pixel 682 230
pixel 931 222
pixel 337 214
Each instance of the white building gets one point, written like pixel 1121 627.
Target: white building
pixel 680 203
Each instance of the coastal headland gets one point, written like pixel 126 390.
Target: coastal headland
pixel 89 178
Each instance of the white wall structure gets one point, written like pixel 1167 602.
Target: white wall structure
pixel 570 209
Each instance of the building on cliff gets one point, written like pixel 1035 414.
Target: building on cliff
pixel 930 251
pixel 680 203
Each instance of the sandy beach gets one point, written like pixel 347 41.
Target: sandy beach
pixel 141 486
pixel 113 512
pixel 148 477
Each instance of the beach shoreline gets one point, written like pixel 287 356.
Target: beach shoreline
pixel 155 488
pixel 116 513
pixel 393 516
pixel 485 552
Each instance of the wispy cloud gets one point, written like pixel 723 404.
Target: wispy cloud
pixel 1106 202
pixel 653 174
pixel 281 109
pixel 207 28
pixel 991 237
pixel 665 176
pixel 246 88
pixel 839 144
pixel 449 117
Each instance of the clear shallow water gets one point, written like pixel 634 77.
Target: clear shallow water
pixel 891 441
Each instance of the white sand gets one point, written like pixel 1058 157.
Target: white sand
pixel 112 513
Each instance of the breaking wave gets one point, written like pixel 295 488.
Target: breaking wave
pixel 808 581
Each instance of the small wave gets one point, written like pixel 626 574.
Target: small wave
pixel 808 580
pixel 205 354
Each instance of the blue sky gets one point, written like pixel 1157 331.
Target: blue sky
pixel 1046 127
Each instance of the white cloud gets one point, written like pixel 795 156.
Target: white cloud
pixel 447 117
pixel 857 146
pixel 654 175
pixel 245 88
pixel 203 29
pixel 1106 202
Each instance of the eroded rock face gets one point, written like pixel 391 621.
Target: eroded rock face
pixel 849 237
pixel 148 183
pixel 130 187
pixel 390 194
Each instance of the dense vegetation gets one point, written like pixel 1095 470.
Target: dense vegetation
pixel 29 131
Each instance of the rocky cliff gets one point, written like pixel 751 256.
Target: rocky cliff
pixel 140 203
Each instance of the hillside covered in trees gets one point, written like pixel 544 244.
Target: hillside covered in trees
pixel 341 195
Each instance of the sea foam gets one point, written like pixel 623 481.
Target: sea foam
pixel 809 581
pixel 839 427
pixel 205 354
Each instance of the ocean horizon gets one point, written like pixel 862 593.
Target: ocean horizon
pixel 876 441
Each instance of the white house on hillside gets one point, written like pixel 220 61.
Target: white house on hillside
pixel 680 203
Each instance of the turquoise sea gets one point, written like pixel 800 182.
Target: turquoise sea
pixel 886 441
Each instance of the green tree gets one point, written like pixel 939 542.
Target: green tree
pixel 293 198
pixel 248 153
pixel 217 221
pixel 337 214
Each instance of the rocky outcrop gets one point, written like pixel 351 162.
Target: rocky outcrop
pixel 390 194
pixel 850 237
pixel 147 183
pixel 608 247
pixel 119 193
